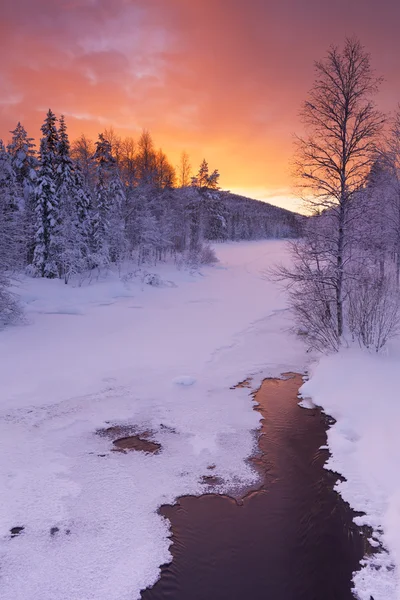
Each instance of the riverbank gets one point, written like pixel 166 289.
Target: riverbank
pixel 292 537
pixel 359 390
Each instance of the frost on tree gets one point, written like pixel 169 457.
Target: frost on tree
pixel 338 288
pixel 21 150
pixel 47 218
pixel 85 205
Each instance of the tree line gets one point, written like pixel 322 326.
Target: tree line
pixel 345 274
pixel 69 208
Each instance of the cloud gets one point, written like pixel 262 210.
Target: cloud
pixel 222 79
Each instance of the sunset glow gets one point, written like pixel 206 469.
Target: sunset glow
pixel 221 80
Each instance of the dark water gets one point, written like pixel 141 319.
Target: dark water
pixel 293 539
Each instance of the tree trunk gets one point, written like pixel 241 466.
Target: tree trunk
pixel 339 266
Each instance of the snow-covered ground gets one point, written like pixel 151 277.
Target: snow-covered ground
pixel 361 391
pixel 160 359
pixel 163 359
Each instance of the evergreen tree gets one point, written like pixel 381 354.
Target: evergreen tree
pixel 23 159
pixel 69 242
pixel 46 202
pixel 108 221
pixel 11 234
pixel 24 163
pixel 203 180
pixel 83 216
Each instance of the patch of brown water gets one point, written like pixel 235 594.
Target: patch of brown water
pixel 134 442
pixel 126 438
pixel 293 538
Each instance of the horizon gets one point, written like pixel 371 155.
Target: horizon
pixel 141 65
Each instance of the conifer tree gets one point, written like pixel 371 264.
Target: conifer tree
pixel 83 217
pixel 24 163
pixel 11 233
pixel 69 243
pixel 23 159
pixel 46 202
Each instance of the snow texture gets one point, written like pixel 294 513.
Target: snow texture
pixel 112 354
pixel 184 380
pixel 360 391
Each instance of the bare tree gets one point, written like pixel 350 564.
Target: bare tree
pixel 373 310
pixel 332 163
pixel 82 151
pixel 184 170
pixel 116 143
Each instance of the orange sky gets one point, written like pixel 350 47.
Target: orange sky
pixel 222 79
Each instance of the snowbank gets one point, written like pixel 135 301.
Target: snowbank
pixel 123 354
pixel 361 392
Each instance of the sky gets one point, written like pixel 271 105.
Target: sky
pixel 221 79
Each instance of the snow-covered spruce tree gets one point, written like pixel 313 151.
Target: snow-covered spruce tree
pixel 391 159
pixel 11 237
pixel 332 164
pixel 21 149
pixel 69 246
pixel 84 226
pixel 117 240
pixel 206 211
pixel 108 226
pixel 11 222
pixel 24 163
pixel 47 219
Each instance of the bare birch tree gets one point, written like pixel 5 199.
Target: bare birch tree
pixel 184 170
pixel 332 163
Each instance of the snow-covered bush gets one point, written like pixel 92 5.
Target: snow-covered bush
pixel 152 279
pixel 203 254
pixel 10 310
pixel 373 309
pixel 207 255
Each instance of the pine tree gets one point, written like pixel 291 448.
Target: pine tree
pixel 24 163
pixel 11 233
pixel 84 218
pixel 101 224
pixel 69 242
pixel 23 159
pixel 203 180
pixel 108 228
pixel 46 202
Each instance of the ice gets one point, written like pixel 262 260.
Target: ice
pixel 88 359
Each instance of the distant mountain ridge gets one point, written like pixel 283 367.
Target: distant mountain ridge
pixel 248 218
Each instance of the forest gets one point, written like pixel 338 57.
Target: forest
pixel 70 208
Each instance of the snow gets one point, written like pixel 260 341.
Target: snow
pixel 360 391
pixel 184 380
pixel 306 403
pixel 117 352
pixel 163 360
